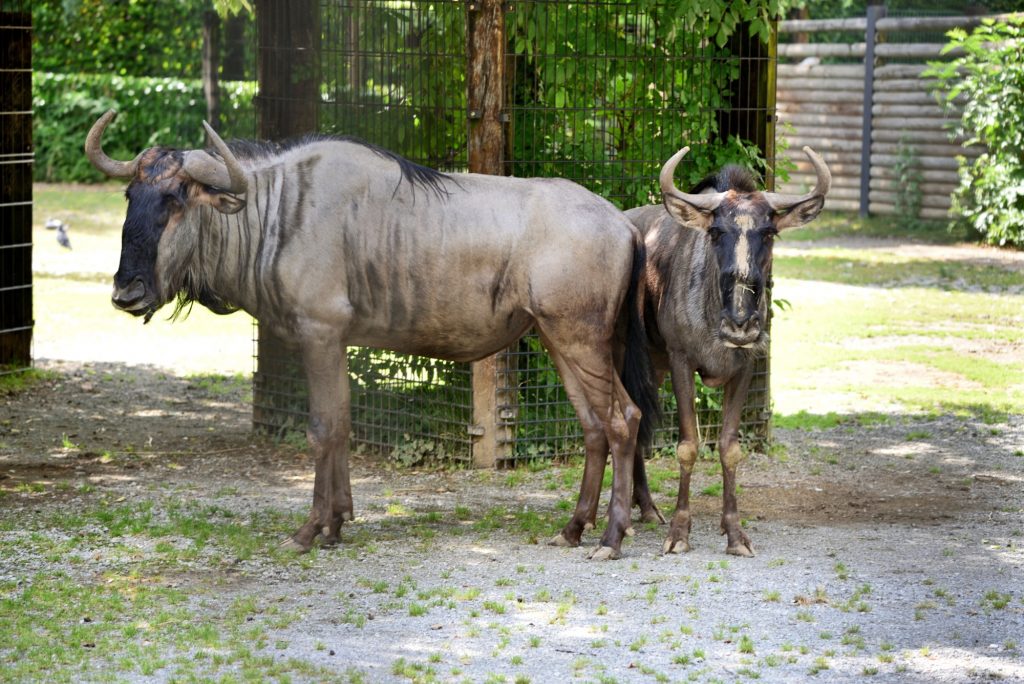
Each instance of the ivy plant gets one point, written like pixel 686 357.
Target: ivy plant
pixel 989 79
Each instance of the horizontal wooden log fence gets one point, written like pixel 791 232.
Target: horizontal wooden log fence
pixel 882 111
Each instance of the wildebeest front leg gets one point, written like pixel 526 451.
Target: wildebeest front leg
pixel 731 454
pixel 683 385
pixel 328 433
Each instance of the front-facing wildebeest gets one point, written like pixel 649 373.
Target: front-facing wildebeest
pixel 333 242
pixel 709 255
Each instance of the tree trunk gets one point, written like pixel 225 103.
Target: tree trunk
pixel 211 55
pixel 233 62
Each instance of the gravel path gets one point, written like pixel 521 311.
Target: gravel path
pixel 892 551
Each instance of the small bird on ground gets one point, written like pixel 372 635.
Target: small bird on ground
pixel 62 236
pixel 53 224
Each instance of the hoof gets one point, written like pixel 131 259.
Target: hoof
pixel 652 515
pixel 587 527
pixel 560 540
pixel 742 549
pixel 601 553
pixel 292 546
pixel 678 546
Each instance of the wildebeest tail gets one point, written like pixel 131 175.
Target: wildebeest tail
pixel 637 368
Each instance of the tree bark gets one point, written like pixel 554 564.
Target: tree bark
pixel 211 64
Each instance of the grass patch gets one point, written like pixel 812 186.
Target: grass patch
pixel 905 346
pixel 57 628
pixel 223 385
pixel 879 268
pixel 832 224
pixel 17 380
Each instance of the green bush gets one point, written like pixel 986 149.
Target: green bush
pixel 130 38
pixel 165 111
pixel 990 75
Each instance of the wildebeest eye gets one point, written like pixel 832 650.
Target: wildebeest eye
pixel 715 232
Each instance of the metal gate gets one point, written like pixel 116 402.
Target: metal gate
pixel 15 186
pixel 599 92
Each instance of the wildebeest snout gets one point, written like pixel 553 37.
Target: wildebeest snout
pixel 130 296
pixel 740 333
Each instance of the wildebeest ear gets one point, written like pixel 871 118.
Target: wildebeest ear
pixel 799 214
pixel 687 214
pixel 221 201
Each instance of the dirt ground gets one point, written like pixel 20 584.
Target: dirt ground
pixel 858 531
pixel 887 551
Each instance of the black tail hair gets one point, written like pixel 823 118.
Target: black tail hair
pixel 637 368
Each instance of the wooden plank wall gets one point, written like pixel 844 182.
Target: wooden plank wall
pixel 820 104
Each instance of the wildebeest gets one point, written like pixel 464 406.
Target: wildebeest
pixel 333 242
pixel 709 255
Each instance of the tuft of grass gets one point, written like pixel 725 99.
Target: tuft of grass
pixel 996 600
pixel 802 420
pixel 14 381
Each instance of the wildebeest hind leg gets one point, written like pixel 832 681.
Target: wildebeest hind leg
pixel 328 433
pixel 600 399
pixel 596 449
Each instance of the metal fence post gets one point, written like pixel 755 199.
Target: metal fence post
pixel 875 12
pixel 485 83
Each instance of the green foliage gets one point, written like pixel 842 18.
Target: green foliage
pixel 990 75
pixel 406 89
pixel 125 37
pixel 153 111
pixel 121 37
pixel 611 123
pixel 14 380
pixel 907 183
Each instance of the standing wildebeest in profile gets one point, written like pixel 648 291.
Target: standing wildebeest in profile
pixel 333 242
pixel 709 254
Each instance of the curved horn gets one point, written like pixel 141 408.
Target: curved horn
pixel 226 175
pixel 99 159
pixel 702 201
pixel 780 202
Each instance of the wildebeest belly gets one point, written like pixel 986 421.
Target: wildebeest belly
pixel 457 337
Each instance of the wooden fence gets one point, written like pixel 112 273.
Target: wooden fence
pixel 869 101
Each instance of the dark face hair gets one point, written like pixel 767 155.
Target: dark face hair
pixel 154 196
pixel 742 234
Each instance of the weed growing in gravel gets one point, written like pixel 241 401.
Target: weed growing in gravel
pixel 996 600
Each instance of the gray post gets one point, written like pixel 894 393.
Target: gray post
pixel 875 12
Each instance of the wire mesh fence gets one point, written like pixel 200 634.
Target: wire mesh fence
pixel 15 186
pixel 602 93
pixel 599 92
pixel 391 74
